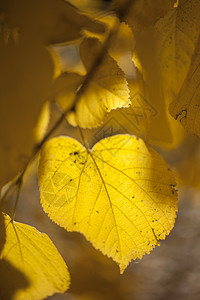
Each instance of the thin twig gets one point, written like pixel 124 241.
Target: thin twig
pixel 96 63
pixel 5 195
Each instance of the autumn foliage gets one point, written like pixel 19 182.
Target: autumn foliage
pixel 134 68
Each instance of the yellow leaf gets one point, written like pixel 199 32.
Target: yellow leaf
pixel 148 117
pixel 30 265
pixel 149 86
pixel 185 64
pixel 176 36
pixel 27 70
pixel 121 43
pixel 163 55
pixel 105 91
pixel 186 107
pixel 120 194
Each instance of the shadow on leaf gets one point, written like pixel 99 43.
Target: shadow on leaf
pixel 11 280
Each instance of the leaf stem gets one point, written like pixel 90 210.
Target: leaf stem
pixel 19 184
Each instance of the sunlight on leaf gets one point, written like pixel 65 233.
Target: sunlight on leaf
pixel 32 265
pixel 120 194
pixel 121 44
pixel 107 89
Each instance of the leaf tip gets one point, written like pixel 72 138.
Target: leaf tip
pixel 122 268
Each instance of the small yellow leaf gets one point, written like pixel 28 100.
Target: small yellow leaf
pixel 30 265
pixel 120 194
pixel 105 91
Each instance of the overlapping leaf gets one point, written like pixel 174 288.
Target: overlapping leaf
pixel 120 194
pixel 148 110
pixel 173 40
pixel 141 118
pixel 106 89
pixel 176 36
pixel 121 43
pixel 30 265
pixel 149 86
pixel 27 70
pixel 185 107
pixel 163 55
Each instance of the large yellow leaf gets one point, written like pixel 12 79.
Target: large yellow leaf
pixel 30 265
pixel 186 107
pixel 176 36
pixel 146 94
pixel 107 89
pixel 149 86
pixel 183 60
pixel 120 194
pixel 163 55
pixel 27 70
